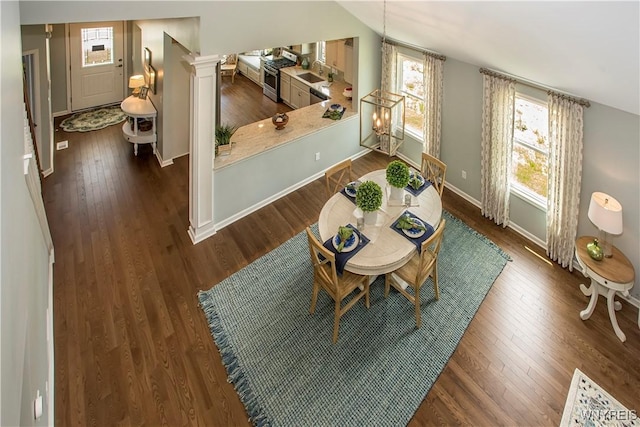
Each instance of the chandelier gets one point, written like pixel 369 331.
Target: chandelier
pixel 381 111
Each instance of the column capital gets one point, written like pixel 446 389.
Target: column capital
pixel 198 61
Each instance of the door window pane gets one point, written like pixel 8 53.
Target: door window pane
pixel 97 46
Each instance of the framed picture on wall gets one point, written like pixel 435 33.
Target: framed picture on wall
pixel 147 58
pixel 143 92
pixel 151 79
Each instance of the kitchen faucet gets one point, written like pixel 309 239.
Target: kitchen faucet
pixel 320 71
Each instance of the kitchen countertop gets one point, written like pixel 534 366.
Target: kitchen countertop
pixel 258 137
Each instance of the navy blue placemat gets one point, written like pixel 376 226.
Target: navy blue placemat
pixel 418 240
pixel 343 257
pixel 344 193
pixel 417 192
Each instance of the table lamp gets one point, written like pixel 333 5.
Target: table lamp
pixel 605 212
pixel 136 82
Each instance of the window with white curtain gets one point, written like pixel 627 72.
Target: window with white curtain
pixel 410 83
pixel 529 165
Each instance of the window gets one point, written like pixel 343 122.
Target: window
pixel 529 162
pixel 410 81
pixel 321 52
pixel 97 46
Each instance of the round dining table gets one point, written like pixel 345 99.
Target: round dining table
pixel 387 249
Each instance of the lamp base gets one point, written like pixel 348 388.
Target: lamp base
pixel 605 243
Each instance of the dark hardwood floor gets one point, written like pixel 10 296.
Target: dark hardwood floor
pixel 242 102
pixel 132 346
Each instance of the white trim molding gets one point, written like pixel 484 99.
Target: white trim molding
pixel 201 135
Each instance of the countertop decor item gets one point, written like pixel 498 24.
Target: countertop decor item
pixel 280 120
pixel 224 132
pixel 594 250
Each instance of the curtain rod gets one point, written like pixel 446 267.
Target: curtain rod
pixel 418 48
pixel 549 90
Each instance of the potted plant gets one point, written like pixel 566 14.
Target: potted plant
pixel 224 132
pixel 369 200
pixel 398 178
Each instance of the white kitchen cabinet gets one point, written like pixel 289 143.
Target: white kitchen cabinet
pixel 285 87
pixel 334 54
pixel 253 74
pixel 348 63
pixel 299 94
pixel 141 126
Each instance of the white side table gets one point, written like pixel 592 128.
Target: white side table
pixel 611 275
pixel 137 108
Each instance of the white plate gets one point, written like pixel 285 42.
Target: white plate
pixel 414 233
pixel 336 107
pixel 351 192
pixel 352 242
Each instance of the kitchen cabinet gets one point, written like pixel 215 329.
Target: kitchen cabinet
pixel 348 63
pixel 334 54
pixel 299 94
pixel 141 126
pixel 285 87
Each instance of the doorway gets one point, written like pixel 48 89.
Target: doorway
pixel 97 64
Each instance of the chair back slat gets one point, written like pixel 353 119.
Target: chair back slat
pixel 337 176
pixel 429 252
pixel 324 262
pixel 434 170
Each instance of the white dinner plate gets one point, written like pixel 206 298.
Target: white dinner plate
pixel 351 244
pixel 414 233
pixel 351 191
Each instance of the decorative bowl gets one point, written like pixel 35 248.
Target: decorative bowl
pixel 280 120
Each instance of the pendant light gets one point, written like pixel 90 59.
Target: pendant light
pixel 382 112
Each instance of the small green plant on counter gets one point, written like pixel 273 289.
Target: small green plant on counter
pixel 224 132
pixel 369 196
pixel 398 174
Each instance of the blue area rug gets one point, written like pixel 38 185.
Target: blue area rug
pixel 280 357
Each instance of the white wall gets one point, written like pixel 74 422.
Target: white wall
pixel 24 260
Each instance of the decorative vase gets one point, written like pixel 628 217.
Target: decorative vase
pixel 370 218
pixel 280 120
pixel 305 63
pixel 595 251
pixel 395 193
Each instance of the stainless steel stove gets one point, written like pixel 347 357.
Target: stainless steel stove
pixel 271 86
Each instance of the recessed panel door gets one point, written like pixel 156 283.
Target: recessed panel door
pixel 97 64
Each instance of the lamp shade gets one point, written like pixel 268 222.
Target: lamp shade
pixel 605 212
pixel 136 81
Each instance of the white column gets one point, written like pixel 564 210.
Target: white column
pixel 201 145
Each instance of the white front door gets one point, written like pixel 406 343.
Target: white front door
pixel 97 65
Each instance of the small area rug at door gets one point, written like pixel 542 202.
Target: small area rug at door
pixel 96 119
pixel 288 373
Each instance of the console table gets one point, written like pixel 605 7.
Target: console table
pixel 139 111
pixel 611 275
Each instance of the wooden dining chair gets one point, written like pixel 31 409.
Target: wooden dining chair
pixel 337 176
pixel 228 68
pixel 417 271
pixel 434 170
pixel 325 276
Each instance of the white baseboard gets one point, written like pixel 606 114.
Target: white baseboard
pixel 47 172
pixel 277 196
pixel 61 113
pixel 163 163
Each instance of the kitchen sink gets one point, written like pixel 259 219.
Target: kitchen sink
pixel 309 77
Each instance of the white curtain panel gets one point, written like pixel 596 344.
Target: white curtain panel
pixel 389 64
pixel 497 135
pixel 565 175
pixel 433 85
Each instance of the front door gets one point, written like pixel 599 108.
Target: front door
pixel 96 64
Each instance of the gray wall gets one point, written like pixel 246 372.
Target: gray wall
pixel 24 260
pixel 58 66
pixel 611 158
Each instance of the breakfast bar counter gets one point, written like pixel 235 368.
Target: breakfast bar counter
pixel 258 137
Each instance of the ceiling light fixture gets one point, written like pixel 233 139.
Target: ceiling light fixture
pixel 382 112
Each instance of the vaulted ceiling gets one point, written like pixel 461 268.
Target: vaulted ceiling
pixel 585 48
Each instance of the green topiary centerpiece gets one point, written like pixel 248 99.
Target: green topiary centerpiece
pixel 369 196
pixel 397 174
